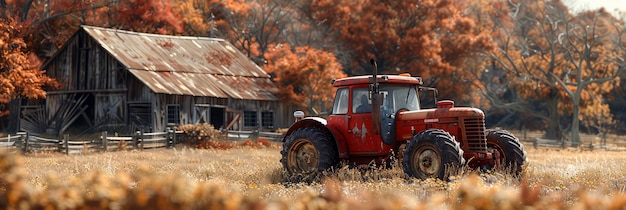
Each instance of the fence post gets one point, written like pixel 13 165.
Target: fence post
pixel 105 142
pixel 60 145
pixel 8 140
pixel 136 139
pixel 255 135
pixel 66 138
pixel 20 141
pixel 26 142
pixel 168 137
pixel 174 140
pixel 141 140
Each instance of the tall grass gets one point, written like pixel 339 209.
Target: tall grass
pixel 250 177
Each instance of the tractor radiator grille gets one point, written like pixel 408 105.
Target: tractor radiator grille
pixel 475 134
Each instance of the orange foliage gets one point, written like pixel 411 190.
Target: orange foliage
pixel 18 78
pixel 303 75
pixel 150 16
pixel 428 38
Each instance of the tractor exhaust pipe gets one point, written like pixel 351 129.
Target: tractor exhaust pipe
pixel 376 98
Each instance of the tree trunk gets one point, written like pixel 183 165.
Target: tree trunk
pixel 553 131
pixel 575 134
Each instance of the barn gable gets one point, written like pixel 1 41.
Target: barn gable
pixel 132 80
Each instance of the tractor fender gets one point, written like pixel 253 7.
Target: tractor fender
pixel 320 123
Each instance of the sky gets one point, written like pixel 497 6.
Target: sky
pixel 609 5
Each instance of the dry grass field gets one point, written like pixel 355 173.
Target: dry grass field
pixel 247 177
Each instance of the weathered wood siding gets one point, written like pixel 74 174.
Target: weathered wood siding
pixel 187 106
pixel 84 65
pixel 280 111
pixel 118 98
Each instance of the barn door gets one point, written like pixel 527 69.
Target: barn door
pixel 202 113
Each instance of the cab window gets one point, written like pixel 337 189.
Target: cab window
pixel 360 101
pixel 341 101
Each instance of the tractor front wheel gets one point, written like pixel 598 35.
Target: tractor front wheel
pixel 307 151
pixel 512 154
pixel 432 154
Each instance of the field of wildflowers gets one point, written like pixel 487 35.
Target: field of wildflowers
pixel 250 177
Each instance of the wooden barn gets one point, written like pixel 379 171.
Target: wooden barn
pixel 115 79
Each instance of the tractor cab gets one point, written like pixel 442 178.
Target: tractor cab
pixel 365 115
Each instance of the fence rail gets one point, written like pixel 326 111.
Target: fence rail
pixel 583 145
pixel 8 143
pixel 25 142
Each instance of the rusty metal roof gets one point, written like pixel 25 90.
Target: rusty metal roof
pixel 183 65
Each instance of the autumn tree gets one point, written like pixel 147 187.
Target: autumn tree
pixel 489 16
pixel 428 38
pixel 303 75
pixel 555 62
pixel 18 78
pixel 594 60
pixel 263 26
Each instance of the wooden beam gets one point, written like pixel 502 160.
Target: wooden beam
pixel 232 122
pixel 86 91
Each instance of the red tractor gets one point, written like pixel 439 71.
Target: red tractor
pixel 376 117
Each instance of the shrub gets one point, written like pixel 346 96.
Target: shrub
pixel 196 134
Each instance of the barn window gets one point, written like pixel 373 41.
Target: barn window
pixel 267 119
pixel 249 119
pixel 173 114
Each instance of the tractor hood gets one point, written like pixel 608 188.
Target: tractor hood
pixel 445 109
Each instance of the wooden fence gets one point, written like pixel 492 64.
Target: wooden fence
pixel 8 143
pixel 25 142
pixel 587 142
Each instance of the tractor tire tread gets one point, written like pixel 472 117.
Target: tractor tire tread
pixel 328 156
pixel 511 146
pixel 449 148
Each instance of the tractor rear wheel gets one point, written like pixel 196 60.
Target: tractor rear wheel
pixel 512 154
pixel 307 151
pixel 432 154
